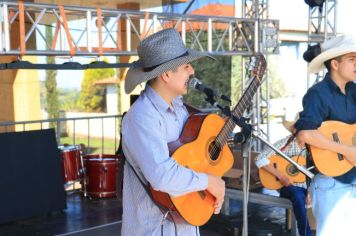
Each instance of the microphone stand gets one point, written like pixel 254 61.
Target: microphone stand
pixel 244 137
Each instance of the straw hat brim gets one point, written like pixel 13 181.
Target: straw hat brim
pixel 136 75
pixel 317 64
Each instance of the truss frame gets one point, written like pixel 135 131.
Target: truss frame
pixel 225 35
pixel 322 22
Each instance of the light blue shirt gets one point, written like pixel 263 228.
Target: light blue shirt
pixel 146 129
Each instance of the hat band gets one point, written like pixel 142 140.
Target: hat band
pixel 148 69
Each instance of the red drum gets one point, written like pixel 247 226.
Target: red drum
pixel 72 168
pixel 101 175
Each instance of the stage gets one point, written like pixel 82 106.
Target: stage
pixel 90 217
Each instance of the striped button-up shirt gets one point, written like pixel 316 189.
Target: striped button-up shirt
pixel 146 129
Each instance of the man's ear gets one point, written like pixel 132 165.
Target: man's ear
pixel 334 64
pixel 165 76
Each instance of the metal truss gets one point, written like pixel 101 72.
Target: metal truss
pixel 321 26
pixel 255 9
pixel 79 31
pixel 322 22
pixel 259 111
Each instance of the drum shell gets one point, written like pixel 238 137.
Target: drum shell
pixel 103 175
pixel 72 168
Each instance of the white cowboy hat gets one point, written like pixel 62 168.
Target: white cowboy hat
pixel 330 49
pixel 158 53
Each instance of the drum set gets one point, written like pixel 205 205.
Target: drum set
pixel 100 175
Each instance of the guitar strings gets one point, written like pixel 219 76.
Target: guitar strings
pixel 261 63
pixel 223 136
pixel 230 124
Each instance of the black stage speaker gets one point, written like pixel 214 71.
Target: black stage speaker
pixel 30 175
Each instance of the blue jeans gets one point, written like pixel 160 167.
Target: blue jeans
pixel 297 196
pixel 334 206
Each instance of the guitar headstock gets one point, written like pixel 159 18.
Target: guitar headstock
pixel 259 66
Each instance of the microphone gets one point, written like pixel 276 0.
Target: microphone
pixel 198 85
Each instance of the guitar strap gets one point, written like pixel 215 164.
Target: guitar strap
pixel 291 138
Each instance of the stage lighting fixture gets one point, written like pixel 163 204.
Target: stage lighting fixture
pixel 311 52
pixel 314 3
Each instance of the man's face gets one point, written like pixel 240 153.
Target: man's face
pixel 346 66
pixel 178 80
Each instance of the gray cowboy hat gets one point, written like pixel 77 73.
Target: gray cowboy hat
pixel 330 49
pixel 158 53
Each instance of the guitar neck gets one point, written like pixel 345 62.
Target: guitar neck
pixel 243 103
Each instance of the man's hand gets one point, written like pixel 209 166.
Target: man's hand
pixel 351 154
pixel 285 181
pixel 282 178
pixel 216 186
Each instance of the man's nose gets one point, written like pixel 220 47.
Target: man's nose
pixel 191 69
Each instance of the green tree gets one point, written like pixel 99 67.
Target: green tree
pixel 236 79
pixel 66 98
pixel 91 98
pixel 277 87
pixel 213 73
pixel 52 104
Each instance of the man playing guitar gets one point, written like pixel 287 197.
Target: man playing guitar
pixel 333 199
pixel 156 118
pixel 296 192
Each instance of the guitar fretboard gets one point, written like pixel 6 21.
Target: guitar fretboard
pixel 241 106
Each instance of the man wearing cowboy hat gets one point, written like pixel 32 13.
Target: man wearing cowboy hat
pixel 333 199
pixel 296 192
pixel 155 119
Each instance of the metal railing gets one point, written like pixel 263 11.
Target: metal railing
pixel 69 128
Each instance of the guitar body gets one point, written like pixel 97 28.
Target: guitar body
pixel 271 182
pixel 328 162
pixel 192 151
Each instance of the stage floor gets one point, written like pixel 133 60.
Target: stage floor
pixel 91 217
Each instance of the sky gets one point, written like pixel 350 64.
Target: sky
pixel 292 14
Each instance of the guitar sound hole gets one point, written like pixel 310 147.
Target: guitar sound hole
pixel 214 151
pixel 292 170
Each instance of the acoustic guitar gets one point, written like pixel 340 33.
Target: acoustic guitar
pixel 330 163
pixel 203 147
pixel 270 181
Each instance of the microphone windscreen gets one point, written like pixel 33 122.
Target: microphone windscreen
pixel 193 82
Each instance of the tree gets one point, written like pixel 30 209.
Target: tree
pixel 213 73
pixel 277 88
pixel 91 98
pixel 52 104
